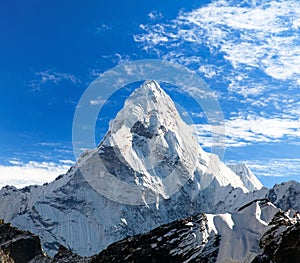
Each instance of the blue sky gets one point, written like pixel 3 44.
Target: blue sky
pixel 248 52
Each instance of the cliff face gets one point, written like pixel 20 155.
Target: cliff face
pixel 186 240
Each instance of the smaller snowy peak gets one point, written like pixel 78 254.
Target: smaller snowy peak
pixel 246 175
pixel 240 231
pixel 285 195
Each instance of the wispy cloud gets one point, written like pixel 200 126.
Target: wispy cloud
pixel 22 174
pixel 276 167
pixel 154 15
pixel 103 27
pixel 44 78
pixel 113 59
pixel 98 101
pixel 248 51
pixel 263 35
pixel 274 170
pixel 251 129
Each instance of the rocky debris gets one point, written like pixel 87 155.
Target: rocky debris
pixel 64 255
pixel 4 258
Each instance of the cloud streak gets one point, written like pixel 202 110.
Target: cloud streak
pixel 242 131
pixel 44 78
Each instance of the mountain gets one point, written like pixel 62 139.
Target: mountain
pixel 148 170
pixel 285 195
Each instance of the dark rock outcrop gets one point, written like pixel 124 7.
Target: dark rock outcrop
pixel 281 244
pixel 20 246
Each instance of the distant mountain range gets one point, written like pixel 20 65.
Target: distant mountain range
pixel 150 174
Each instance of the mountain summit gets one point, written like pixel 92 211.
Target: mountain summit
pixel 147 171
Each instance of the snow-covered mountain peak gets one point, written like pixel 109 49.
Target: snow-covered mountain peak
pixel 246 175
pixel 148 112
pixel 149 89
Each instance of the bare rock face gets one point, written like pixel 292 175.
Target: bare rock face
pixel 17 245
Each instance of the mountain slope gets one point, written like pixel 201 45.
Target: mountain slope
pixel 148 170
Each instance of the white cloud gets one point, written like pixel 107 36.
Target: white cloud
pixel 51 76
pixel 67 162
pixel 247 87
pixel 209 71
pixel 22 174
pixel 241 131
